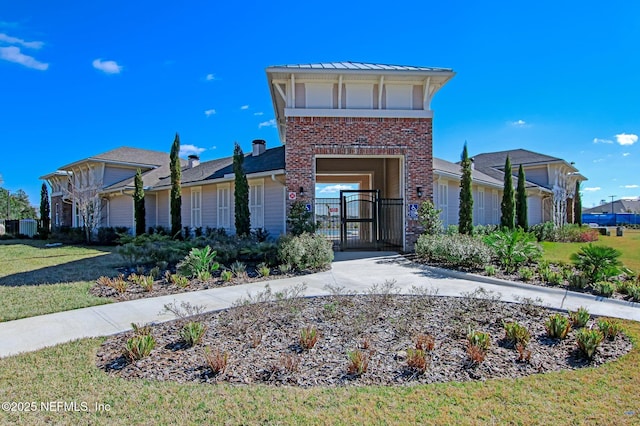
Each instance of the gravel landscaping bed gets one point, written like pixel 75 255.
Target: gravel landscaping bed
pixel 262 341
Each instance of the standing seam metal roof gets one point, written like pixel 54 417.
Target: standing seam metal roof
pixel 360 66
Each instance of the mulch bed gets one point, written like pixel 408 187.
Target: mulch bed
pixel 263 342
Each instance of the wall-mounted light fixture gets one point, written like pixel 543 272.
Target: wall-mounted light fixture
pixel 419 191
pixel 301 191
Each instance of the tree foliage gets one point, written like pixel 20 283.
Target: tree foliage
pixel 19 206
pixel 429 218
pixel 300 220
pixel 241 194
pixel 176 192
pixel 577 205
pixel 465 215
pixel 45 212
pixel 507 207
pixel 138 204
pixel 83 190
pixel 521 201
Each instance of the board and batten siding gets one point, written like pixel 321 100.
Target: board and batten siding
pixel 209 206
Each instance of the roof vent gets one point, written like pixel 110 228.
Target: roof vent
pixel 259 146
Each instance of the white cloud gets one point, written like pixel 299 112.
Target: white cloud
pixel 630 186
pixel 519 123
pixel 210 77
pixel 592 189
pixel 244 107
pixel 270 123
pixel 626 139
pixel 598 140
pixel 107 67
pixel 335 188
pixel 210 112
pixel 258 113
pixel 599 160
pixel 626 154
pixel 6 38
pixel 13 54
pixel 214 147
pixel 186 150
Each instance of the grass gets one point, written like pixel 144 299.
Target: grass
pixel 629 245
pixel 35 280
pixel 606 395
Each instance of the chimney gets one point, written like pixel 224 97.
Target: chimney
pixel 194 161
pixel 473 165
pixel 259 146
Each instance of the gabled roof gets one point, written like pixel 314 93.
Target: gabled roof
pixel 359 66
pixel 127 156
pixel 446 168
pixel 517 156
pixel 619 206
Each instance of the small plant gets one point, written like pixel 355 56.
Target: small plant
pixel 226 275
pixel 524 355
pixel 284 268
pixel 140 330
pixel 610 328
pixel 578 281
pixel 198 261
pixel 180 280
pixel 557 326
pixel 425 342
pixel 516 333
pixel 263 270
pixel 514 248
pixel 290 363
pixel 255 339
pixel 550 276
pixel 184 310
pixel 140 270
pixel 490 270
pixel 365 344
pixel 216 360
pixel 525 273
pixel 634 292
pixel 358 362
pixel 597 262
pixel 144 281
pixel 139 346
pixel 604 288
pixel 580 317
pixel 203 276
pixel 308 337
pixel 417 360
pixel 239 269
pixel 478 343
pixel 192 332
pixel 155 272
pixel 588 341
pixel 624 286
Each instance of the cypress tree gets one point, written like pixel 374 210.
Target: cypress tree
pixel 241 194
pixel 176 192
pixel 508 208
pixel 465 213
pixel 577 205
pixel 45 212
pixel 138 204
pixel 521 201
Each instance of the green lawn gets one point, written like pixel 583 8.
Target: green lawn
pixel 35 280
pixel 605 395
pixel 628 244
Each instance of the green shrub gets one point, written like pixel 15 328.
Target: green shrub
pixel 525 273
pixel 226 275
pixel 429 218
pixel 624 286
pixel 454 250
pixel 284 268
pixel 179 280
pixel 609 328
pixel 358 362
pixel 634 292
pixel 417 360
pixel 138 347
pixel 557 326
pixel 306 251
pixel 192 332
pixel 477 345
pixel 543 231
pixel 263 270
pixel 597 262
pixel 239 270
pixel 552 277
pixel 604 288
pixel 513 248
pixel 516 333
pixel 198 263
pixel 300 220
pixel 308 337
pixel 578 281
pixel 490 270
pixel 580 317
pixel 588 341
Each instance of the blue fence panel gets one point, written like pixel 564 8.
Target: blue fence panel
pixel 612 219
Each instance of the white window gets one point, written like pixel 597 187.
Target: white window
pixel 443 201
pixel 196 207
pixel 480 203
pixel 224 206
pixel 399 96
pixel 359 96
pixel 256 203
pixel 319 95
pixel 495 207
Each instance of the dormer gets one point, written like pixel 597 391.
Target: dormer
pixel 352 89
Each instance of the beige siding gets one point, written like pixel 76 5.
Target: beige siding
pixel 274 213
pixel 186 207
pixel 121 211
pixel 537 175
pixel 150 209
pixel 164 214
pixel 454 202
pixel 116 174
pixel 209 206
pixel 534 209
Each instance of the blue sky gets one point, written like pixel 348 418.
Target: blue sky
pixel 78 78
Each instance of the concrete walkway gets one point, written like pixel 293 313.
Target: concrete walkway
pixel 356 272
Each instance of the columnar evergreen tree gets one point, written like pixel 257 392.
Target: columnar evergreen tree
pixel 138 204
pixel 577 205
pixel 465 214
pixel 241 194
pixel 45 212
pixel 507 207
pixel 176 192
pixel 521 201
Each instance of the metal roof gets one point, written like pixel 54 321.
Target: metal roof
pixel 359 66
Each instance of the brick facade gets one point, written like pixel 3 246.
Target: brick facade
pixel 64 212
pixel 411 138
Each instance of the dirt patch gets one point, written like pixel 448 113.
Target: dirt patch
pixel 263 342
